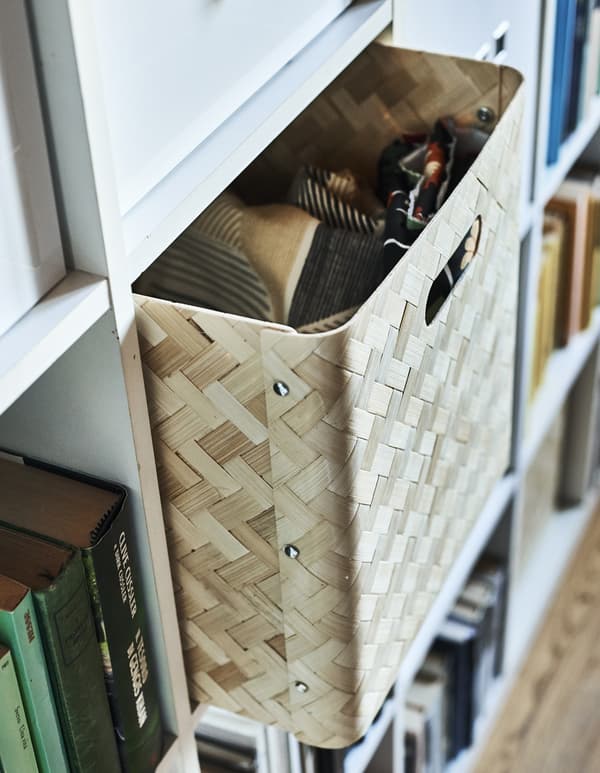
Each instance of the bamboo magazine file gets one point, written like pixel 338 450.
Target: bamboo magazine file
pixel 317 488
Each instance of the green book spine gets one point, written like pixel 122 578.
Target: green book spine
pixel 65 617
pixel 16 749
pixel 19 630
pixel 113 577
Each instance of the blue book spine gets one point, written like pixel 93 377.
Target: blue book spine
pixel 573 114
pixel 564 38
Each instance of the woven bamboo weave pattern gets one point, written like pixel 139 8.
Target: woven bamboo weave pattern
pixel 375 463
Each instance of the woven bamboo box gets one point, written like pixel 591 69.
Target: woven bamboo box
pixel 311 525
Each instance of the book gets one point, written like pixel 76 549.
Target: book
pixel 435 668
pixel 553 247
pixel 415 739
pixel 56 577
pixel 549 290
pixel 475 608
pixel 595 239
pixel 92 516
pixel 456 643
pixel 494 572
pixel 564 37
pixel 20 631
pixel 572 200
pixel 587 176
pixel 16 749
pixel 580 45
pixel 592 65
pixel 426 695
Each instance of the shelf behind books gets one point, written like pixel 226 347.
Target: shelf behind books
pixel 561 372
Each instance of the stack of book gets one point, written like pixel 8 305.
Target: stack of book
pixel 78 688
pixel 569 279
pixel 449 691
pixel 575 71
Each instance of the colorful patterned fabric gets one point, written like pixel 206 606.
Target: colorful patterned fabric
pixel 338 199
pixel 431 189
pixel 273 262
pixel 413 176
pixel 310 262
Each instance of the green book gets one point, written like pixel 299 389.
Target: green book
pixel 92 516
pixel 19 630
pixel 57 580
pixel 16 749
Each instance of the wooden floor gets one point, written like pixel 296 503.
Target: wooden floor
pixel 551 721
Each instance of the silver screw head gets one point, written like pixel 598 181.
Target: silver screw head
pixel 291 551
pixel 485 114
pixel 301 687
pixel 281 389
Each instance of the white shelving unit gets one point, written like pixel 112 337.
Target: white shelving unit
pixel 71 387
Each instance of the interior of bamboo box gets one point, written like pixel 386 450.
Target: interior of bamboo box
pixel 313 226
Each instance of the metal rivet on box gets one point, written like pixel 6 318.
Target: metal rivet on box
pixel 291 551
pixel 485 114
pixel 301 687
pixel 281 389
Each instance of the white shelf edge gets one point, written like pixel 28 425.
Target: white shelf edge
pixel 560 374
pixel 360 756
pixel 570 151
pixel 226 152
pixel 51 327
pixel 482 529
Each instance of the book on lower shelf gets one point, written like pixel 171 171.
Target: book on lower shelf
pixel 449 692
pixel 16 748
pixel 56 578
pixel 424 721
pixel 19 629
pixel 48 509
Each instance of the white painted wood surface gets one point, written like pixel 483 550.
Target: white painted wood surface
pixel 39 338
pixel 173 72
pixel 31 256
